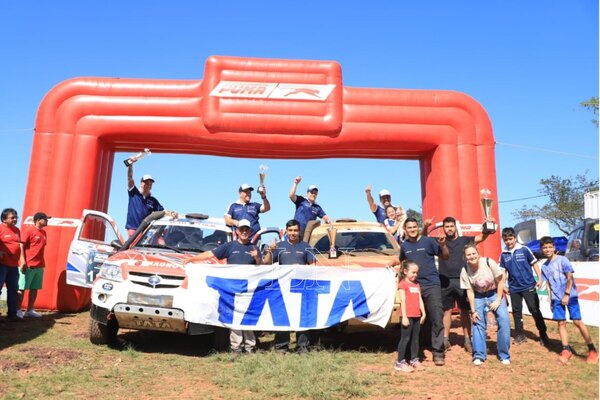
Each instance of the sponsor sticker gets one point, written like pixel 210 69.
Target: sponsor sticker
pixel 266 90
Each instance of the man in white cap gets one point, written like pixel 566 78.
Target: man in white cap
pixel 141 203
pixel 385 198
pixel 239 251
pixel 306 208
pixel 244 208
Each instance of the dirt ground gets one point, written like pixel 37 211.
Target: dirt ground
pixel 534 373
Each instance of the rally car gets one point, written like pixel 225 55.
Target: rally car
pixel 141 283
pixel 358 244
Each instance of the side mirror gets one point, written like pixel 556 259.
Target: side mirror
pixel 116 244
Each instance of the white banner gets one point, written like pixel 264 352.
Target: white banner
pixel 286 298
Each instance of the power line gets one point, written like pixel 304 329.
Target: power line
pixel 547 150
pixel 543 195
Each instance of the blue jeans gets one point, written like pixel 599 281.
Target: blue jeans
pixel 10 276
pixel 482 306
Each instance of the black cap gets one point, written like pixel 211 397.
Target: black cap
pixel 40 215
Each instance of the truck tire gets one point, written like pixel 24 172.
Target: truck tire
pixel 220 339
pixel 102 334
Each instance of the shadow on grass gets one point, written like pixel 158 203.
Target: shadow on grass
pixel 23 331
pixel 165 342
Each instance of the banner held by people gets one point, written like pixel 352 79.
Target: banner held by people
pixel 286 298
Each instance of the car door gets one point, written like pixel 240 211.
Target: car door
pixel 91 246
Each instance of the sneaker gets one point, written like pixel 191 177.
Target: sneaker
pixel 20 314
pixel 468 347
pixel 477 362
pixel 403 366
pixel 447 345
pixel 545 340
pixel 565 356
pixel 505 362
pixel 520 339
pixel 438 360
pixel 592 357
pixel 33 314
pixel 417 365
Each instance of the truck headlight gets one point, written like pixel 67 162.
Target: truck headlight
pixel 111 272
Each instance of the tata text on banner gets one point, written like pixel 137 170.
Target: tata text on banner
pixel 586 280
pixel 286 298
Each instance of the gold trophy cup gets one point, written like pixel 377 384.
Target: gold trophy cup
pixel 488 226
pixel 136 157
pixel 332 232
pixel 261 175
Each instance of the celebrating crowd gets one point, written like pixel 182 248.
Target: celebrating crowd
pixel 428 292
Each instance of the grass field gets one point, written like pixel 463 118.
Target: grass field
pixel 51 357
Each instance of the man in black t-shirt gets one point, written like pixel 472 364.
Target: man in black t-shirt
pixel 450 270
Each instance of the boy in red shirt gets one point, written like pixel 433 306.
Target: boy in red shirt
pixel 32 274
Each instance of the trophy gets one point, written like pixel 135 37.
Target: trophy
pixel 488 226
pixel 136 157
pixel 332 232
pixel 262 174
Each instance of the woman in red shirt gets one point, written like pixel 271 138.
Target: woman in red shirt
pixel 11 259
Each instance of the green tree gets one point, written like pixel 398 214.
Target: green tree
pixel 565 201
pixel 410 213
pixel 591 104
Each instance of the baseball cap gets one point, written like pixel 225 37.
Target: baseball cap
pixel 243 222
pixel 245 186
pixel 40 215
pixel 311 188
pixel 384 192
pixel 147 177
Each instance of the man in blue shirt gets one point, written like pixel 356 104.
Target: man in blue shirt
pixel 244 208
pixel 306 208
pixel 385 198
pixel 517 260
pixel 239 251
pixel 141 203
pixel 422 250
pixel 291 251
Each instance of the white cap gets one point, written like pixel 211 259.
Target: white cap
pixel 147 177
pixel 243 222
pixel 384 192
pixel 245 186
pixel 311 188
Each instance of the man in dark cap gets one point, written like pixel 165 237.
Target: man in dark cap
pixel 31 275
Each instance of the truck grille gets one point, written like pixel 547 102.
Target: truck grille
pixel 166 281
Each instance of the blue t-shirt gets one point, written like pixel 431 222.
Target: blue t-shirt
pixel 139 208
pixel 287 253
pixel 423 252
pixel 555 273
pixel 517 262
pixel 380 214
pixel 247 211
pixel 235 252
pixel 306 212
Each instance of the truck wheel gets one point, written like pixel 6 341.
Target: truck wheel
pixel 103 334
pixel 220 339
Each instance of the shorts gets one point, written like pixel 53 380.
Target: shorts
pixel 31 279
pixel 453 293
pixel 558 310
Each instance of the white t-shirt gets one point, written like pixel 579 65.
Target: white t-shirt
pixel 484 279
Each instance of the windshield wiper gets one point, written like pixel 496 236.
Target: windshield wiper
pixel 371 250
pixel 160 246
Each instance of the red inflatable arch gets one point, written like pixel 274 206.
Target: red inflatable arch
pixel 287 109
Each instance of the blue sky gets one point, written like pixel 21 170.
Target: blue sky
pixel 529 64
